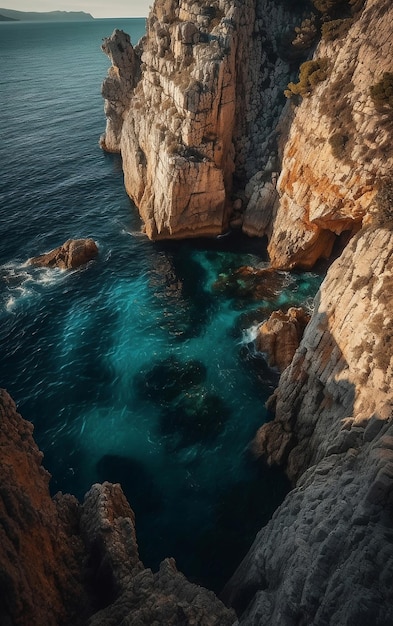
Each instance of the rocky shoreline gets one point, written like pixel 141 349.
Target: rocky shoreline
pixel 208 142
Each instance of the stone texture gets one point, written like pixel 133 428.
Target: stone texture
pixel 66 563
pixel 322 193
pixel 280 335
pixel 72 254
pixel 40 577
pixel 118 85
pixel 326 557
pixel 341 374
pixel 197 114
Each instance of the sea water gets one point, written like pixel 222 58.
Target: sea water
pixel 137 368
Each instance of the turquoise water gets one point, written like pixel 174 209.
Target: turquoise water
pixel 137 368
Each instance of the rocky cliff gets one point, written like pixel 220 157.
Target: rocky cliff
pixel 337 146
pixel 193 109
pixel 326 557
pixel 187 112
pixel 66 563
pixel 198 112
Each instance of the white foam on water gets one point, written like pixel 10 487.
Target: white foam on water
pixel 22 279
pixel 249 334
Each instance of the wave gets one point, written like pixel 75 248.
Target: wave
pixel 21 281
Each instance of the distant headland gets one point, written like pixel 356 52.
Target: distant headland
pixel 9 15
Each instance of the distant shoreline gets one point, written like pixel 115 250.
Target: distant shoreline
pixel 9 15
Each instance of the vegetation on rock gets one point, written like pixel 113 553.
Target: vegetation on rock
pixel 311 73
pixel 334 29
pixel 382 211
pixel 338 143
pixel 382 92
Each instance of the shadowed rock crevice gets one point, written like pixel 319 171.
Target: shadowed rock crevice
pixel 327 553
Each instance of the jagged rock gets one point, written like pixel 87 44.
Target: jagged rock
pixel 336 147
pixel 280 335
pixel 326 556
pixel 72 254
pixel 342 372
pixel 66 563
pixel 40 561
pixel 118 85
pixel 197 113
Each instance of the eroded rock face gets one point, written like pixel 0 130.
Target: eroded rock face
pixel 72 254
pixel 341 374
pixel 197 113
pixel 40 556
pixel 336 147
pixel 280 335
pixel 66 563
pixel 326 556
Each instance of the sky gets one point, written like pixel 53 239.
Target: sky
pixel 97 8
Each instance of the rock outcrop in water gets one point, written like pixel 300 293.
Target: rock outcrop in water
pixel 72 254
pixel 66 563
pixel 280 335
pixel 186 110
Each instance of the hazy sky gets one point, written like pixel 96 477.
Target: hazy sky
pixel 98 8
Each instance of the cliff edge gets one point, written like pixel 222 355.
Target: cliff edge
pixel 186 109
pixel 62 562
pixel 326 557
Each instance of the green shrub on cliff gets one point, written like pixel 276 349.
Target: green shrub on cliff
pixel 338 143
pixel 382 92
pixel 334 29
pixel 311 73
pixel 382 210
pixel 338 7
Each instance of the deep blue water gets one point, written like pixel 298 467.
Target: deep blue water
pixel 134 369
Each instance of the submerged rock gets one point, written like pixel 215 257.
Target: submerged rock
pixel 72 254
pixel 195 418
pixel 252 283
pixel 169 378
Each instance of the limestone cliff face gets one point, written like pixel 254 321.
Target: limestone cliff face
pixel 341 375
pixel 335 148
pixel 186 110
pixel 326 557
pixel 66 563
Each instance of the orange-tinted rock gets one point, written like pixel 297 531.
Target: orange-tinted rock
pixel 335 145
pixel 62 563
pixel 341 376
pixel 40 580
pixel 72 254
pixel 280 335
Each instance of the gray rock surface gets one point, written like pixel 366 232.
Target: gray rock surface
pixel 326 557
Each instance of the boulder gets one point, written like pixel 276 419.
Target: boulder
pixel 72 254
pixel 280 335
